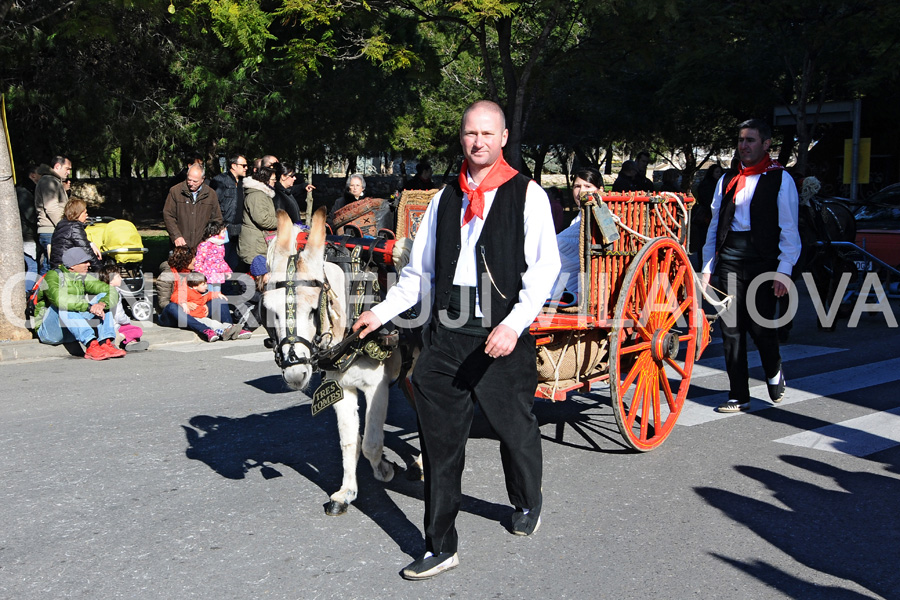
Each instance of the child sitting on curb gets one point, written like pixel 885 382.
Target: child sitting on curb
pixel 192 294
pixel 131 333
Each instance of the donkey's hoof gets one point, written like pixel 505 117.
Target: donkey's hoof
pixel 336 509
pixel 414 472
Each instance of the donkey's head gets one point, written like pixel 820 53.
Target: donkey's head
pixel 303 299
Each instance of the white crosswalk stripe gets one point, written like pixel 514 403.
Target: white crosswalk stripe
pixel 716 366
pixel 700 410
pixel 256 357
pixel 858 437
pixel 229 345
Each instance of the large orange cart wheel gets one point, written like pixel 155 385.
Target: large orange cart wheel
pixel 653 343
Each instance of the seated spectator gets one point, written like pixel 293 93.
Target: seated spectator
pixel 74 305
pixel 422 179
pixel 180 263
pixel 568 241
pixel 69 233
pixel 210 255
pixel 192 294
pixel 625 182
pixel 131 333
pixel 353 191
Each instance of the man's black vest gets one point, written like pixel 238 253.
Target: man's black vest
pixel 499 252
pixel 765 232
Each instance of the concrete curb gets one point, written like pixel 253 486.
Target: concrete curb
pixel 153 333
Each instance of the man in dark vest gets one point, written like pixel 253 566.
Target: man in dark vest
pixel 484 261
pixel 752 244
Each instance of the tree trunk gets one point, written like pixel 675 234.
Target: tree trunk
pixel 12 263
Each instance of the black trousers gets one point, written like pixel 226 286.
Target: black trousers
pixel 451 374
pixel 737 266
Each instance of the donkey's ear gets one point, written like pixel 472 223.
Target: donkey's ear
pixel 316 239
pixel 284 239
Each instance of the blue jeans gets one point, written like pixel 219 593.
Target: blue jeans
pixel 65 326
pixel 174 316
pixel 31 269
pixel 44 251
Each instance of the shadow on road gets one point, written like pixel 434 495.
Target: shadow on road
pixel 851 533
pixel 235 446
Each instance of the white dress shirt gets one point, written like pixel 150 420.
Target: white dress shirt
pixel 788 216
pixel 541 255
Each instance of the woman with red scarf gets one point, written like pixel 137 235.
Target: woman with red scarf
pixel 752 245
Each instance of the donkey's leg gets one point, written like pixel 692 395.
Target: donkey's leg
pixel 373 435
pixel 347 411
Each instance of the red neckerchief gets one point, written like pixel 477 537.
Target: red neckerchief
pixel 766 164
pixel 499 174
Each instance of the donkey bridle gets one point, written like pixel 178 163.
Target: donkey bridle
pixel 322 357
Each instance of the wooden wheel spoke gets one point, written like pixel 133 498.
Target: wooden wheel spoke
pixel 667 262
pixel 677 368
pixel 667 390
pixel 635 408
pixel 636 324
pixel 635 348
pixel 669 322
pixel 632 374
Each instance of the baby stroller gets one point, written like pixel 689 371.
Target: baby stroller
pixel 120 241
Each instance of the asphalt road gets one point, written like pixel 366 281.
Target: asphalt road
pixel 189 471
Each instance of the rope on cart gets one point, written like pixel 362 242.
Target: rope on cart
pixel 720 306
pixel 660 207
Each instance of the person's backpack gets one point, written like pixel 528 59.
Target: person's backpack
pixel 31 303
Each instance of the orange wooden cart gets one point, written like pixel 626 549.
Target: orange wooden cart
pixel 639 325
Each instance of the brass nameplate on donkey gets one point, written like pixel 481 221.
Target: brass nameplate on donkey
pixel 326 394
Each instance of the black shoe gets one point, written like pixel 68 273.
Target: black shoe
pixel 430 565
pixel 526 524
pixel 776 392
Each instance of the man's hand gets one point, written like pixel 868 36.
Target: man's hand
pixel 501 341
pixel 189 306
pixel 215 295
pixel 97 309
pixel 781 284
pixel 96 250
pixel 704 281
pixel 310 187
pixel 368 322
pixel 179 241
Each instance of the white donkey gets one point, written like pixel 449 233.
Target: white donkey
pixel 320 321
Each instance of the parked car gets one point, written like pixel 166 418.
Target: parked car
pixel 878 228
pixel 889 195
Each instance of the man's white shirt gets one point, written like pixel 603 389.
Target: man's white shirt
pixel 541 256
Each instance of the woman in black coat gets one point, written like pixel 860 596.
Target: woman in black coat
pixel 69 233
pixel 284 199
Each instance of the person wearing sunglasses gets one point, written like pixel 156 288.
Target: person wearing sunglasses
pixel 230 190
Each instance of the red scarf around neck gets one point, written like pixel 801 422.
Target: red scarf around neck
pixel 499 174
pixel 766 164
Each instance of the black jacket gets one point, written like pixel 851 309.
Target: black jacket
pixel 70 234
pixel 285 201
pixel 231 201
